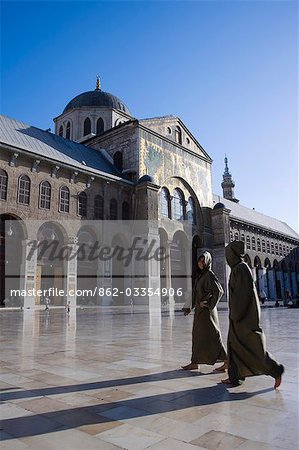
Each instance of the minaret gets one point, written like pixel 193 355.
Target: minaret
pixel 98 84
pixel 228 184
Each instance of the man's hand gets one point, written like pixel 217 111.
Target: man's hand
pixel 203 304
pixel 186 311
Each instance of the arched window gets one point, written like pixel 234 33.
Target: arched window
pixel 3 184
pixel 113 209
pixel 272 248
pixel 125 211
pixel 165 203
pixel 243 237
pixel 87 126
pixel 82 204
pixel 178 135
pixel 60 132
pixel 118 160
pixel 276 248
pixel 64 199
pixel 98 207
pixel 24 190
pixel 253 243
pixel 268 247
pixel 100 125
pixel 280 249
pixel 190 211
pixel 263 246
pixel 236 235
pixel 68 131
pixel 45 195
pixel 258 245
pixel 231 238
pixel 248 242
pixel 178 205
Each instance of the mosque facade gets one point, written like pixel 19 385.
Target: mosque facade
pixel 108 181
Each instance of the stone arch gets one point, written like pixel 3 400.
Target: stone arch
pixel 247 259
pixel 87 265
pixel 164 202
pixel 164 263
pixel 118 269
pixel 180 272
pixel 68 129
pixel 196 245
pixel 178 205
pixel 13 232
pixel 86 126
pixel 100 125
pixel 267 263
pixel 278 279
pixel 257 262
pixel 51 265
pixel 191 193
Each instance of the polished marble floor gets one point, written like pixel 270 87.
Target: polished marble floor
pixel 110 379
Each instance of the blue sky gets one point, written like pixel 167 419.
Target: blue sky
pixel 227 69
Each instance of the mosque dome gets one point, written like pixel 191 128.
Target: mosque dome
pixel 97 98
pixel 219 206
pixel 146 179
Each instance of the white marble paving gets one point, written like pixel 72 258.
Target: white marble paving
pixel 110 379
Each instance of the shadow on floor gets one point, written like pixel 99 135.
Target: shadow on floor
pixel 49 422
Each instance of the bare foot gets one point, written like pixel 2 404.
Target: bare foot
pixel 277 382
pixel 278 378
pixel 222 368
pixel 226 381
pixel 190 366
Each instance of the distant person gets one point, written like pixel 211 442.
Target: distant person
pixel 247 355
pixel 263 297
pixel 207 345
pixel 288 297
pixel 47 303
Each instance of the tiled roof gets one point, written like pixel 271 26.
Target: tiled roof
pixel 50 146
pixel 254 217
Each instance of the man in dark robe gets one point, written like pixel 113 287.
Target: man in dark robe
pixel 246 341
pixel 207 345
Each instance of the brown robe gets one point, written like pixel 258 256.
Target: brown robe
pixel 246 341
pixel 207 345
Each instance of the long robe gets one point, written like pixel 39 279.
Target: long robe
pixel 246 341
pixel 207 345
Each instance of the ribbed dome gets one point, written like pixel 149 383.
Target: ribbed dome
pixel 97 98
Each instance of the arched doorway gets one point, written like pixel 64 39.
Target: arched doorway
pixel 277 278
pixel 87 268
pixel 50 269
pixel 164 265
pixel 258 275
pixel 118 272
pixel 12 234
pixel 196 245
pixel 248 260
pixel 180 266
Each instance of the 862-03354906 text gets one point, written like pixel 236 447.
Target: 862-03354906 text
pixel 99 291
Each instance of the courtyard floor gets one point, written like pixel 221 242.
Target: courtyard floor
pixel 110 378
